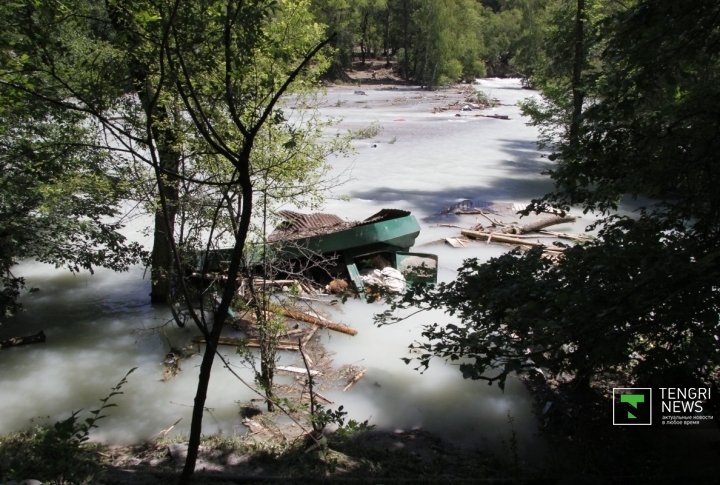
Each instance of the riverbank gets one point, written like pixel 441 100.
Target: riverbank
pixel 581 448
pixel 369 457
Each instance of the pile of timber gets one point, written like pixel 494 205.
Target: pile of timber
pixel 499 237
pixel 516 234
pixel 298 315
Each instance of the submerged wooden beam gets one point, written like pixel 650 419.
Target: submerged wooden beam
pixel 30 339
pixel 304 317
pixel 248 342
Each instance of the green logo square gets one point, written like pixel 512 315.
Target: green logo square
pixel 632 406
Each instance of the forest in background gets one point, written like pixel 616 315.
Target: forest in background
pixel 438 42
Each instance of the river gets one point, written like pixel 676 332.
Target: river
pixel 99 326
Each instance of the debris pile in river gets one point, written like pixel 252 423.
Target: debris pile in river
pixel 310 251
pixel 522 235
pixel 172 364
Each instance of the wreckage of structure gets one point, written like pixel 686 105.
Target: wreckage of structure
pixel 373 251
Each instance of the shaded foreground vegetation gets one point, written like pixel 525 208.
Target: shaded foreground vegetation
pixel 579 447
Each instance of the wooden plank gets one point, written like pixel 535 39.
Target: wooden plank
pixel 454 242
pixel 297 370
pixel 248 342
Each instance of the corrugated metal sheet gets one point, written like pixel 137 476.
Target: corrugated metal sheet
pixel 309 222
pixel 298 225
pixel 385 215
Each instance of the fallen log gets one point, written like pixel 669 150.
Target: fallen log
pixel 504 238
pixel 317 394
pixel 497 117
pixel 30 339
pixel 355 380
pixel 539 224
pixel 262 282
pixel 247 342
pixel 304 317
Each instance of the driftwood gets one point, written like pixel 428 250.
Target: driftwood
pixel 30 339
pixel 504 238
pixel 497 117
pixel 304 317
pixel 538 225
pixel 173 360
pixel 247 342
pixel 317 394
pixel 355 380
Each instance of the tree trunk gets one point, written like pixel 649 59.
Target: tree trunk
pixel 386 43
pixel 162 259
pixel 406 41
pixel 363 28
pixel 577 93
pixel 221 314
pixel 164 141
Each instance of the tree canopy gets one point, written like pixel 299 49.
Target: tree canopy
pixel 60 187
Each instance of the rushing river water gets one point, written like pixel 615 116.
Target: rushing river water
pixel 99 326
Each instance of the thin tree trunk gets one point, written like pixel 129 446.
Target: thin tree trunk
pixel 577 92
pixel 164 140
pixel 386 43
pixel 406 40
pixel 363 27
pixel 221 314
pixel 162 259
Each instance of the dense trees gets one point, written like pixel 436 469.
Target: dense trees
pixel 438 41
pixel 640 303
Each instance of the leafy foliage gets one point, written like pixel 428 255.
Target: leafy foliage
pixel 60 187
pixel 322 418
